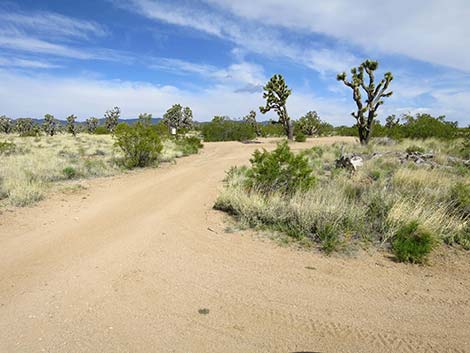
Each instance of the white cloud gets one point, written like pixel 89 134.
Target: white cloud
pixel 434 31
pixel 35 95
pixel 241 72
pixel 24 95
pixel 327 60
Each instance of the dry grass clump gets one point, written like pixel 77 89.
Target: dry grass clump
pixel 370 206
pixel 36 163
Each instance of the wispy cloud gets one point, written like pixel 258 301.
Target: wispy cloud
pixel 255 37
pixel 27 63
pixel 51 34
pixel 28 44
pixel 52 25
pixel 241 72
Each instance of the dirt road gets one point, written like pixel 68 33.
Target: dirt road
pixel 132 263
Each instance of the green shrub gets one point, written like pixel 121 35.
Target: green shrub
pixel 189 145
pixel 224 129
pixel 7 148
pixel 375 174
pixel 140 144
pixel 69 172
pixel 279 171
pixel 272 130
pixel 329 238
pixel 345 130
pixel 460 197
pixel 424 126
pixel 412 243
pixel 414 149
pixel 300 137
pixel 101 130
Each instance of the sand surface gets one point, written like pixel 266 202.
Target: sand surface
pixel 131 263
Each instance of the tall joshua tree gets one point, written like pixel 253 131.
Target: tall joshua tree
pixel 111 118
pixel 71 125
pixel 276 93
pixel 50 125
pixel 367 110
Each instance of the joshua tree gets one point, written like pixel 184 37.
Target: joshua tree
pixel 91 124
pixel 276 93
pixel 391 121
pixel 367 110
pixel 250 119
pixel 71 126
pixel 178 117
pixel 6 124
pixel 24 126
pixel 145 119
pixel 49 125
pixel 310 123
pixel 111 118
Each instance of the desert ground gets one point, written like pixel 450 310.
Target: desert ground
pixel 141 262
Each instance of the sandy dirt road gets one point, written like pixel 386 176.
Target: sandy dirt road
pixel 126 266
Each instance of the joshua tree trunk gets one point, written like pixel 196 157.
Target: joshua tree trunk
pixel 288 127
pixel 289 130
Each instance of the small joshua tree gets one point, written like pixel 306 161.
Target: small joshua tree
pixel 367 110
pixel 91 124
pixel 50 125
pixel 250 119
pixel 111 118
pixel 71 126
pixel 6 125
pixel 310 123
pixel 276 93
pixel 178 117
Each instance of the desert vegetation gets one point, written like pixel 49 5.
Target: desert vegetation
pixel 33 162
pixel 408 196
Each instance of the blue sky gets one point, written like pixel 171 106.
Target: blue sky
pixel 84 57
